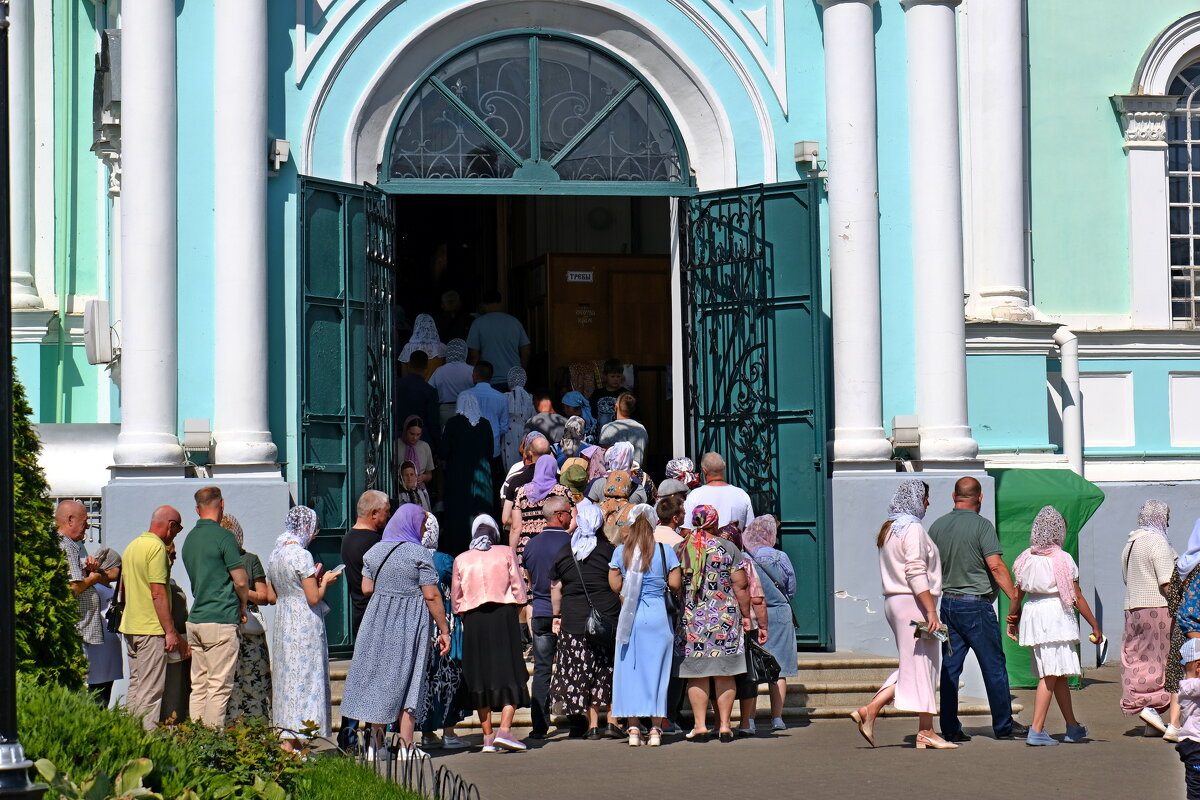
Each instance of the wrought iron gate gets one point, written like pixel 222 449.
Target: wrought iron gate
pixel 757 364
pixel 347 282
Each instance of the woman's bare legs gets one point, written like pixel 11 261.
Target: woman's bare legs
pixel 697 691
pixel 884 696
pixel 726 692
pixel 506 720
pixel 1041 703
pixel 407 728
pixel 778 693
pixel 485 721
pixel 747 709
pixel 1062 693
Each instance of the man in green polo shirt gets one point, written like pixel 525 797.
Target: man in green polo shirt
pixel 146 623
pixel 219 588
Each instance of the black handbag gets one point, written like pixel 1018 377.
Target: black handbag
pixel 672 602
pixel 601 632
pixel 761 666
pixel 116 609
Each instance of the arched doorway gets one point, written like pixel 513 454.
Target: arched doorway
pixel 501 139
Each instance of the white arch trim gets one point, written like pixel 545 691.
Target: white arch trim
pixel 690 98
pixel 1175 47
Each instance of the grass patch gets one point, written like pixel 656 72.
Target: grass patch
pixel 339 777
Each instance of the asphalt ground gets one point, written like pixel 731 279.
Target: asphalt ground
pixel 827 758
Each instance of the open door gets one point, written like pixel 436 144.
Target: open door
pixel 757 364
pixel 347 280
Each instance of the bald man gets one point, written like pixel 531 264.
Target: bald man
pixel 972 570
pixel 147 624
pixel 82 570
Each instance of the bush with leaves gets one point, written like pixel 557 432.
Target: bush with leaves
pixel 48 644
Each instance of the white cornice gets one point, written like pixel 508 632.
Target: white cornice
pixel 1139 344
pixel 31 326
pixel 1010 338
pixel 1144 119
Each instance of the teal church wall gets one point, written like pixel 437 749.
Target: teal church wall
pixel 1007 403
pixel 1151 405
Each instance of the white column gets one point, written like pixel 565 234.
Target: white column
pixel 21 151
pixel 937 230
pixel 854 230
pixel 995 95
pixel 241 430
pixel 149 347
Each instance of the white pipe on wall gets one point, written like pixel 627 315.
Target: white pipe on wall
pixel 1072 411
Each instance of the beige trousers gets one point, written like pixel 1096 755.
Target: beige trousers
pixel 147 675
pixel 214 658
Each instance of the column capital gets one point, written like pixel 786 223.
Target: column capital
pixel 909 4
pixel 828 3
pixel 1144 119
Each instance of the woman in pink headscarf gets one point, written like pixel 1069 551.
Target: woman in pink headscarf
pixel 1047 575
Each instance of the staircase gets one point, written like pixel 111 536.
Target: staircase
pixel 827 685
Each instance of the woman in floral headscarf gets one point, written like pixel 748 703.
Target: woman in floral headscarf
pixel 300 668
pixel 911 568
pixel 1048 576
pixel 251 696
pixel 716 609
pixel 778 581
pixel 1147 563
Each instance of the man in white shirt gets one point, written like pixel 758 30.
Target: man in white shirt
pixel 732 503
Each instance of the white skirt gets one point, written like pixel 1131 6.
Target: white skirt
pixel 1057 658
pixel 1053 633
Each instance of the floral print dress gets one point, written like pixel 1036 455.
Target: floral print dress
pixel 299 647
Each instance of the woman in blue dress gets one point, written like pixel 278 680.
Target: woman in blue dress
pixel 778 579
pixel 642 572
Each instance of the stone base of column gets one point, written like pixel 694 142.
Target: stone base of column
pixel 1009 303
pixel 949 443
pixel 263 470
pixel 148 450
pixel 861 444
pixel 244 447
pixel 23 295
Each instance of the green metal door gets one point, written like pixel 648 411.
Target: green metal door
pixel 757 364
pixel 346 285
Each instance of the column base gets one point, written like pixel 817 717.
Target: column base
pixel 244 447
pixel 861 444
pixel 1009 303
pixel 149 450
pixel 263 470
pixel 24 297
pixel 949 443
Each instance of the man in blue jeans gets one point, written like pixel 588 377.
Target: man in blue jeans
pixel 972 569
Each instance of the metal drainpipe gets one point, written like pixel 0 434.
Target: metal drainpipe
pixel 66 109
pixel 1072 412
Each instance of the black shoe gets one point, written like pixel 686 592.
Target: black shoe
pixel 726 736
pixel 595 734
pixel 961 736
pixel 743 733
pixel 1017 731
pixel 539 735
pixel 576 733
pixel 615 732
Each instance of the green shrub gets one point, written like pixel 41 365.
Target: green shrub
pixel 338 777
pixel 48 645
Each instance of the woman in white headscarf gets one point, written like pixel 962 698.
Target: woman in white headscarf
pixel 520 408
pixel 911 568
pixel 467 447
pixel 300 663
pixel 583 669
pixel 643 572
pixel 1147 563
pixel 425 338
pixel 452 378
pixel 486 592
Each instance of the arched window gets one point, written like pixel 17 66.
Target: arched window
pixel 537 108
pixel 1183 197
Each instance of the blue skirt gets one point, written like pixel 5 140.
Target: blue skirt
pixel 643 666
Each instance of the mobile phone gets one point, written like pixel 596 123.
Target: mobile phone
pixel 336 569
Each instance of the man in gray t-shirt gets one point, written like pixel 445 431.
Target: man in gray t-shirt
pixel 499 339
pixel 971 569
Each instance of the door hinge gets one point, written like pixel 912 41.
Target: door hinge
pixel 817 462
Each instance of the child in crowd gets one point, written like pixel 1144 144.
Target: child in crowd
pixel 604 399
pixel 1189 706
pixel 1048 576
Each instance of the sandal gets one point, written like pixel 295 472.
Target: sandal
pixel 655 739
pixel 635 736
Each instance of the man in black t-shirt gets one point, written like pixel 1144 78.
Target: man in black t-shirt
pixel 540 555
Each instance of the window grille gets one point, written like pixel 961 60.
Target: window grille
pixel 1183 198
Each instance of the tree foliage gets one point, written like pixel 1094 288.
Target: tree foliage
pixel 48 645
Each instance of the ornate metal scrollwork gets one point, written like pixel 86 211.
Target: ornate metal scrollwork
pixel 729 327
pixel 380 288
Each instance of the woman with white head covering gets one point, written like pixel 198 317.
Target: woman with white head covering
pixel 452 378
pixel 777 578
pixel 424 338
pixel 486 592
pixel 520 408
pixel 467 446
pixel 643 571
pixel 1047 575
pixel 251 696
pixel 583 669
pixel 300 668
pixel 1182 580
pixel 911 568
pixel 392 650
pixel 1147 563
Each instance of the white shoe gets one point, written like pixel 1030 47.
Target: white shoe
pixel 1171 734
pixel 452 742
pixel 506 743
pixel 380 754
pixel 489 744
pixel 410 753
pixel 778 724
pixel 1151 717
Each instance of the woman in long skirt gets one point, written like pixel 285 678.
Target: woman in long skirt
pixel 387 677
pixel 643 572
pixel 1147 563
pixel 445 692
pixel 251 696
pixel 1186 570
pixel 778 580
pixel 486 592
pixel 911 568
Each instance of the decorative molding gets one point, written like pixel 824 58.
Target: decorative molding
pixel 106 108
pixel 1144 119
pixel 1010 338
pixel 31 326
pixel 1178 41
pixel 770 57
pixel 1139 344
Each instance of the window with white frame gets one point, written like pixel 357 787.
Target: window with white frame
pixel 1183 198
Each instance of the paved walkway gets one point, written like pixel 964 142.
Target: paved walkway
pixel 828 759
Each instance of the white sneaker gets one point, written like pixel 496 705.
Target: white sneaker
pixel 1151 717
pixel 453 742
pixel 777 724
pixel 1171 734
pixel 489 744
pixel 380 754
pixel 410 753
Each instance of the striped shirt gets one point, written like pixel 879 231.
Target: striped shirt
pixel 91 624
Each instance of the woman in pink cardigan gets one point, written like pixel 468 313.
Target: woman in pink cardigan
pixel 487 592
pixel 912 582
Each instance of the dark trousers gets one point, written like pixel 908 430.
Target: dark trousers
pixel 102 692
pixel 1189 754
pixel 545 645
pixel 973 626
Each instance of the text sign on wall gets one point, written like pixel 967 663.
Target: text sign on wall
pixel 579 277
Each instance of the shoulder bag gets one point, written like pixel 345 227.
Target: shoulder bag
pixel 761 666
pixel 116 609
pixel 599 629
pixel 669 598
